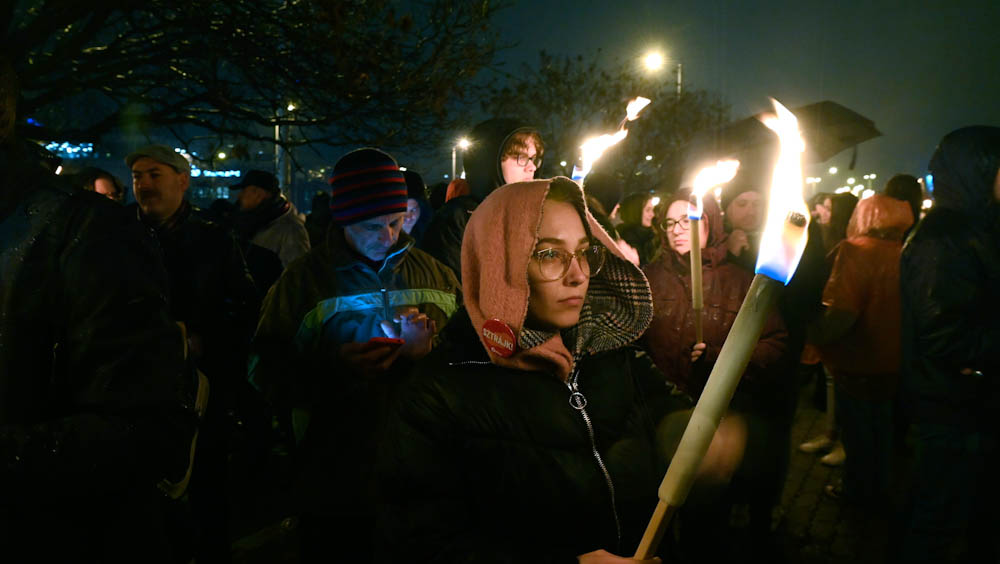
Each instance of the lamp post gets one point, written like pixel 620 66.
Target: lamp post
pixel 462 144
pixel 653 61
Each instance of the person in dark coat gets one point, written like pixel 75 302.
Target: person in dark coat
pixel 951 337
pixel 502 151
pixel 528 435
pixel 96 406
pixel 213 294
pixel 318 220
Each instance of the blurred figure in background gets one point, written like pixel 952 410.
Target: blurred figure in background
pixel 318 220
pixel 859 336
pixel 268 219
pixel 98 180
pixel 418 209
pixel 636 228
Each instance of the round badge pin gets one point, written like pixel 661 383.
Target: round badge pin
pixel 499 338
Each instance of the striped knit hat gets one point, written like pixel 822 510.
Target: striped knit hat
pixel 366 183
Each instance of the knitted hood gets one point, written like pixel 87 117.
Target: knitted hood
pixel 496 250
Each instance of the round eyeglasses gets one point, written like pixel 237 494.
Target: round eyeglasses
pixel 553 264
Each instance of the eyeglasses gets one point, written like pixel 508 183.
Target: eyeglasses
pixel 553 264
pixel 684 222
pixel 523 160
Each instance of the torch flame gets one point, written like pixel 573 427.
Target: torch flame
pixel 786 229
pixel 634 107
pixel 594 147
pixel 719 173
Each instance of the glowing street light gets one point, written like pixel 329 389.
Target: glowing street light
pixel 653 61
pixel 833 170
pixel 221 155
pixel 290 107
pixel 463 144
pixel 649 157
pixel 850 180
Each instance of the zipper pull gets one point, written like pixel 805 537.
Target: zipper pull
pixel 577 400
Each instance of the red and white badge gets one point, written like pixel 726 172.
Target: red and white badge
pixel 499 338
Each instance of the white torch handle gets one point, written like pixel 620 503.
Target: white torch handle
pixel 733 360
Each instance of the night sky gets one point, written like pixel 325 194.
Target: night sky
pixel 918 71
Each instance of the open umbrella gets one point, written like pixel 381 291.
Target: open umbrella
pixel 827 128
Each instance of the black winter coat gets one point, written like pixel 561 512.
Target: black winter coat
pixel 948 273
pixel 482 463
pixel 212 292
pixel 95 404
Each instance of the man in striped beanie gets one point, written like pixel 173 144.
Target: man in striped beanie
pixel 320 350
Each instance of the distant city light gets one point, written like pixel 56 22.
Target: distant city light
pixel 867 194
pixel 649 157
pixel 71 150
pixel 842 190
pixel 221 155
pixel 656 201
pixel 290 107
pixel 402 169
pixel 850 180
pixel 833 170
pixel 59 169
pixel 197 172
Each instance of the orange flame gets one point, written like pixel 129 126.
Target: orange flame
pixel 786 229
pixel 710 176
pixel 594 147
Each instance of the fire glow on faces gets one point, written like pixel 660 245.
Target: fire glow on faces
pixel 555 305
pixel 374 237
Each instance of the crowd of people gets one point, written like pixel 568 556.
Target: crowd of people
pixel 502 377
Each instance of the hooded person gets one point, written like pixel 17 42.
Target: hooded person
pixel 502 151
pixel 758 402
pixel 859 338
pixel 636 229
pixel 950 337
pixel 419 212
pixel 528 434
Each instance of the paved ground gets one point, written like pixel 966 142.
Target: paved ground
pixel 810 527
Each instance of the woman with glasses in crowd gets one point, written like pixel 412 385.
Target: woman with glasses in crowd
pixel 686 364
pixel 528 434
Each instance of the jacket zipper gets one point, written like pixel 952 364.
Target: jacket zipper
pixel 579 402
pixel 386 306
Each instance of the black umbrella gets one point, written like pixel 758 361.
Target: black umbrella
pixel 827 128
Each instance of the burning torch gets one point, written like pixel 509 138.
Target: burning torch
pixel 707 178
pixel 782 244
pixel 594 147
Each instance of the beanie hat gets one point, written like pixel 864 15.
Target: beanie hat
pixel 366 183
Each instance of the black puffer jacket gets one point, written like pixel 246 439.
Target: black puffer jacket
pixel 95 404
pixel 443 238
pixel 521 465
pixel 949 272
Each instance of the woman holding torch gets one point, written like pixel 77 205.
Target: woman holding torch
pixel 686 364
pixel 528 434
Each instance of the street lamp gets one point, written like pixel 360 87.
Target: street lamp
pixel 653 61
pixel 833 170
pixel 462 144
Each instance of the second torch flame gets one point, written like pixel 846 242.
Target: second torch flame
pixel 594 147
